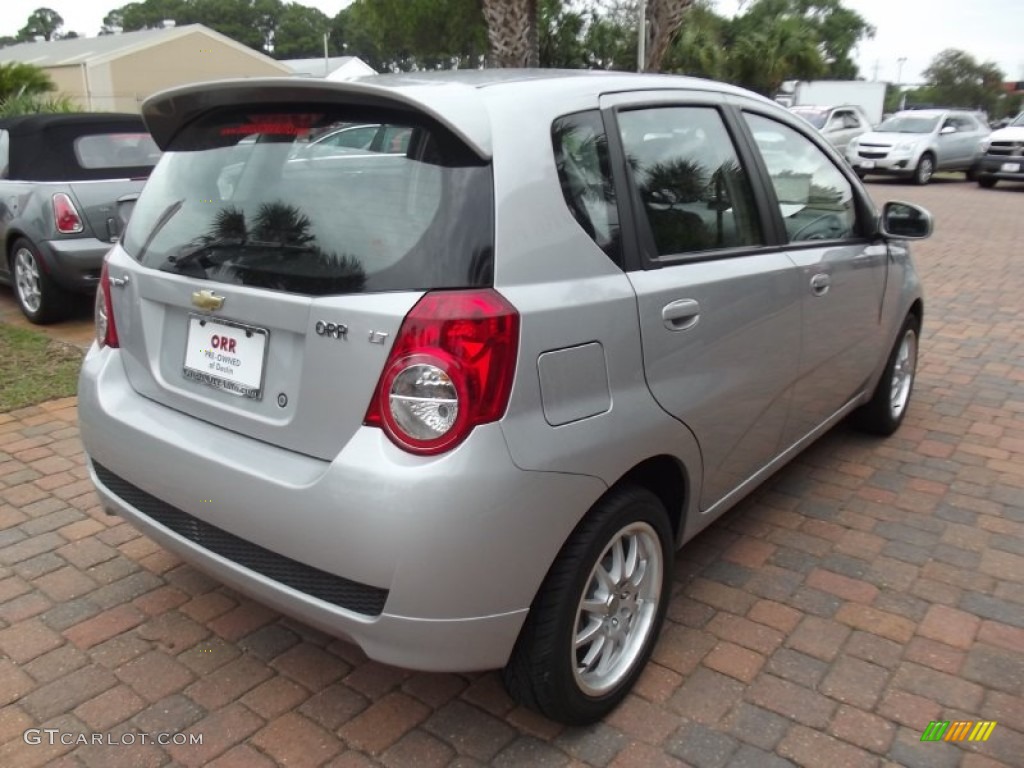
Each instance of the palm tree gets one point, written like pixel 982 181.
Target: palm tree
pixel 664 17
pixel 512 32
pixel 17 79
pixel 782 50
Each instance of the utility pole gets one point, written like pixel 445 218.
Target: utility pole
pixel 899 69
pixel 877 64
pixel 641 48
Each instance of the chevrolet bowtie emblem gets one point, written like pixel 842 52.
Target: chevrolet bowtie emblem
pixel 207 300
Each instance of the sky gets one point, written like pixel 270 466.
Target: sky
pixel 917 30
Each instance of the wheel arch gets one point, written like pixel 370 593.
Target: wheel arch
pixel 917 310
pixel 667 478
pixel 13 235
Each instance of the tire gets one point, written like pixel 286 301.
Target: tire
pixel 986 182
pixel 884 412
pixel 925 169
pixel 546 671
pixel 40 299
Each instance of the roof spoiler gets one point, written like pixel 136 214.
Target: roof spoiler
pixel 458 107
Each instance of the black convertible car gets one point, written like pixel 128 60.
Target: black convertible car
pixel 66 184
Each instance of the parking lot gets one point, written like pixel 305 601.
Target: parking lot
pixel 871 587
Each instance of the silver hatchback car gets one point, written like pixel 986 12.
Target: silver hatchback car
pixel 460 405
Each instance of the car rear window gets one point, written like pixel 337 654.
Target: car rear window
pixel 116 150
pixel 283 200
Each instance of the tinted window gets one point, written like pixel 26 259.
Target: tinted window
pixel 816 200
pixel 694 191
pixel 5 151
pixel 581 156
pixel 116 150
pixel 236 200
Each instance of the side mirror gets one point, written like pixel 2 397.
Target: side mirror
pixel 906 221
pixel 947 129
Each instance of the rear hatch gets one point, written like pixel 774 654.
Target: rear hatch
pixel 117 163
pixel 267 282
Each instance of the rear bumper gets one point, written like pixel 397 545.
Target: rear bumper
pixel 453 549
pixel 75 264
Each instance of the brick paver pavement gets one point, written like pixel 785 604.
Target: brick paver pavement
pixel 871 587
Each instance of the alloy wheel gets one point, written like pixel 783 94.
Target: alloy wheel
pixel 903 373
pixel 28 280
pixel 618 608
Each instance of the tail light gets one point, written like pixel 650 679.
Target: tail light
pixel 450 368
pixel 66 215
pixel 106 328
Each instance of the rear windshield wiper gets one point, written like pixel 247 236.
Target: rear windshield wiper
pixel 200 252
pixel 169 212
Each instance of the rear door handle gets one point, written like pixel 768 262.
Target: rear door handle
pixel 820 284
pixel 681 315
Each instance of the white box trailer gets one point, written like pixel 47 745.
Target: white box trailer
pixel 869 96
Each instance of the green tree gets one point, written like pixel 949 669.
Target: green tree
pixel 17 79
pixel 44 22
pixel 956 79
pixel 300 32
pixel 113 22
pixel 700 47
pixel 237 19
pixel 761 58
pixel 831 27
pixel 397 35
pixel 149 14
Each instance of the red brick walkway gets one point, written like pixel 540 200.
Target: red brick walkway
pixel 871 587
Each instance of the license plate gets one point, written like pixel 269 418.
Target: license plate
pixel 867 164
pixel 1010 167
pixel 226 356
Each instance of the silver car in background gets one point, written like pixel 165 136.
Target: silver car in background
pixel 839 125
pixel 462 404
pixel 915 144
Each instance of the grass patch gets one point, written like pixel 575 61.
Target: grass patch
pixel 34 368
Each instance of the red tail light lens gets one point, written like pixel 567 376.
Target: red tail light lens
pixel 450 368
pixel 106 329
pixel 66 215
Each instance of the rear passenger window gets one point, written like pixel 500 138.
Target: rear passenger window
pixel 116 150
pixel 694 191
pixel 816 200
pixel 581 156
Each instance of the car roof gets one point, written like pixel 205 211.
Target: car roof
pixel 459 99
pixel 43 145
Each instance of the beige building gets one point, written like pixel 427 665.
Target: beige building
pixel 115 73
